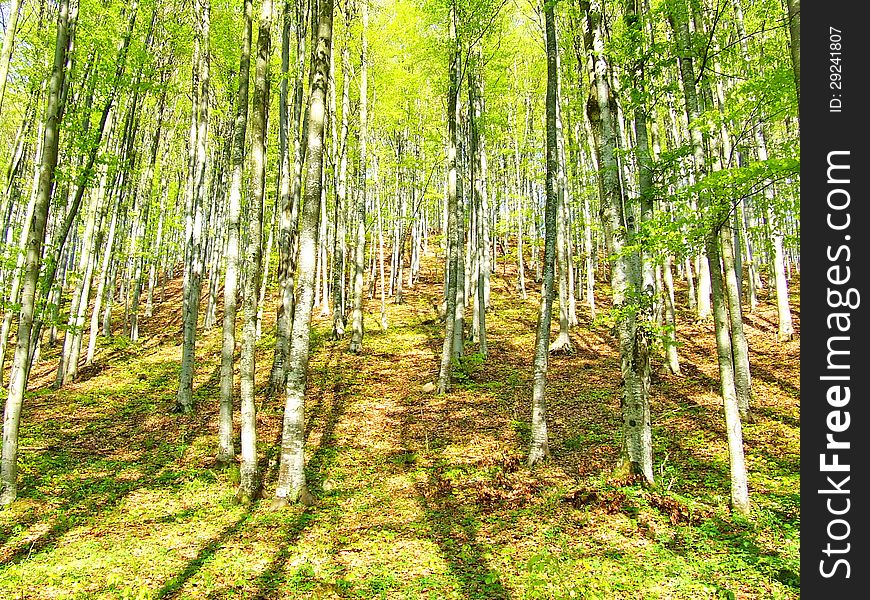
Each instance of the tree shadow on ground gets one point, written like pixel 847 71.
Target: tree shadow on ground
pixel 87 498
pixel 273 577
pixel 453 526
pixel 451 522
pixel 172 587
pixel 76 439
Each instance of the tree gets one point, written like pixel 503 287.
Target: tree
pixel 539 448
pixel 631 300
pixel 357 324
pixel 54 108
pixel 292 485
pixel 195 197
pixel 226 452
pixel 254 256
pixel 291 185
pixel 739 487
pixel 451 278
pixel 480 204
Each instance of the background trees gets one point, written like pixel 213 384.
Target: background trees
pixel 394 129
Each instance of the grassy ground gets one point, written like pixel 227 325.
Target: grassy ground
pixel 420 496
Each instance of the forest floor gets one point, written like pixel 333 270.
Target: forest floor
pixel 419 495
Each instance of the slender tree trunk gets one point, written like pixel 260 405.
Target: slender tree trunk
pixel 567 301
pixel 66 25
pixel 562 343
pixel 321 291
pixel 521 268
pixel 450 284
pixel 291 474
pixel 380 246
pixel 254 257
pixel 267 260
pixel 671 354
pixel 357 324
pixel 739 348
pixel 290 186
pixel 402 195
pixel 226 451
pixel 588 250
pixel 339 287
pixel 197 194
pixel 479 204
pixel 539 448
pixel 739 486
pixel 462 271
pixel 749 257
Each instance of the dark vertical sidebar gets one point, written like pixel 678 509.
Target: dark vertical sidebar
pixel 835 300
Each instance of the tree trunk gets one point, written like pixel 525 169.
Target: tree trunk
pixel 380 245
pixel 670 341
pixel 291 474
pixel 267 260
pixel 254 258
pixel 196 195
pixel 290 187
pixel 66 25
pixel 226 451
pixel 357 324
pixel 462 272
pixel 339 287
pixel 539 449
pixel 739 346
pixel 739 486
pixel 452 234
pixel 520 208
pixel 479 203
pixel 625 273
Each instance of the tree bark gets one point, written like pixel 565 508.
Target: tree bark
pixel 226 451
pixel 450 283
pixel 291 474
pixel 339 287
pixel 625 274
pixel 66 26
pixel 739 487
pixel 197 197
pixel 479 205
pixel 254 258
pixel 290 187
pixel 357 322
pixel 539 449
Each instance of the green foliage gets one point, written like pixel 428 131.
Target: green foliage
pixel 464 367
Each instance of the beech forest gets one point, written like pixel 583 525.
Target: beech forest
pixel 400 299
